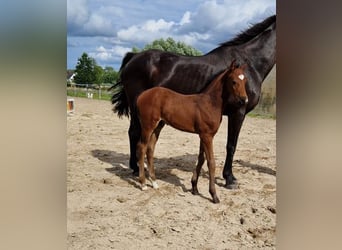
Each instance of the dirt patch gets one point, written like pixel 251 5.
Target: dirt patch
pixel 107 209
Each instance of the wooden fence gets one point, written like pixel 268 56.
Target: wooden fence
pixel 266 106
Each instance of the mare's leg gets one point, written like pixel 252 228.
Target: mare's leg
pixel 234 125
pixel 134 136
pixel 207 142
pixel 197 171
pixel 150 152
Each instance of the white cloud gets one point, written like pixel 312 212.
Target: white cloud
pixel 128 34
pixel 147 31
pixel 87 20
pixel 156 26
pixel 104 55
pixel 202 24
pixel 214 22
pixel 228 15
pixel 186 18
pixel 210 21
pixel 120 51
pixel 98 25
pixel 192 38
pixel 77 12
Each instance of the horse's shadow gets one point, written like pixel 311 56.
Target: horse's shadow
pixel 164 167
pixel 259 168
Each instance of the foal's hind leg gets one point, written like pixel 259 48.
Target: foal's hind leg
pixel 141 151
pixel 150 153
pixel 197 170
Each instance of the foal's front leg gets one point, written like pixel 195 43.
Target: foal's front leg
pixel 207 141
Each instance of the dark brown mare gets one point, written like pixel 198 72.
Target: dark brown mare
pixel 197 113
pixel 255 46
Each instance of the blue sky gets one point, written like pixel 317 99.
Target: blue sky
pixel 107 29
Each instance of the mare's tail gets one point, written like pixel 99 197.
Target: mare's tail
pixel 119 98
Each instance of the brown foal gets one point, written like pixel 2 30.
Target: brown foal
pixel 198 113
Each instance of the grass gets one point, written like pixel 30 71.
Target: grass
pixel 262 115
pixel 104 95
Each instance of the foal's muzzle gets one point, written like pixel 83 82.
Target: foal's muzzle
pixel 243 100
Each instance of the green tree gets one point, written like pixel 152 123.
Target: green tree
pixel 109 75
pixel 98 74
pixel 85 70
pixel 135 49
pixel 172 46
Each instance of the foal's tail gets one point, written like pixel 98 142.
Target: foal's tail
pixel 119 98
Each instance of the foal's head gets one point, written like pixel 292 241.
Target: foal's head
pixel 235 84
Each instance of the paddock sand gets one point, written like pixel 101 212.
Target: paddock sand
pixel 107 210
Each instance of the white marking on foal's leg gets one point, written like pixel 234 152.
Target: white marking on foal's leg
pixel 145 166
pixel 143 187
pixel 155 185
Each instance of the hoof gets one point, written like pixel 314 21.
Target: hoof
pixel 216 200
pixel 232 186
pixel 135 172
pixel 143 187
pixel 155 185
pixel 195 192
pixel 230 178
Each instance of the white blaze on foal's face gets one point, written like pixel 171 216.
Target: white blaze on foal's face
pixel 241 76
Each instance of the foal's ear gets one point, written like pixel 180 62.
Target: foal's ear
pixel 233 64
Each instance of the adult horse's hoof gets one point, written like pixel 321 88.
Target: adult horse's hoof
pixel 233 185
pixel 231 182
pixel 216 200
pixel 135 172
pixel 195 191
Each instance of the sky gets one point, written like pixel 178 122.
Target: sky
pixel 107 29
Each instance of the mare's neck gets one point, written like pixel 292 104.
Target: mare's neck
pixel 261 52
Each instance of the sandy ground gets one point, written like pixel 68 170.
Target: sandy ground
pixel 107 209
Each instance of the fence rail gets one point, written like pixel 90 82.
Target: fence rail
pixel 90 91
pixel 266 106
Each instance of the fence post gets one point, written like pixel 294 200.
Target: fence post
pixel 100 91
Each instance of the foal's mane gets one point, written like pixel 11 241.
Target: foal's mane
pixel 250 33
pixel 216 79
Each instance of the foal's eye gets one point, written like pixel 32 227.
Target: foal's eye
pixel 234 82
